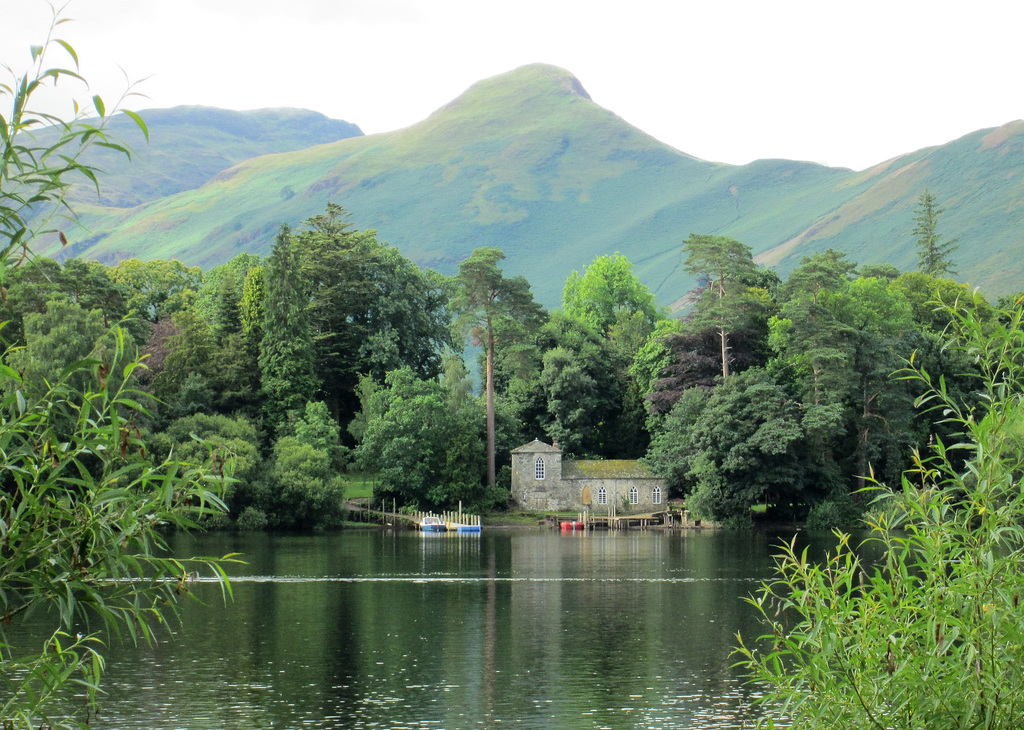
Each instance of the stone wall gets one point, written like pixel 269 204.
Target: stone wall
pixel 562 486
pixel 530 493
pixel 617 494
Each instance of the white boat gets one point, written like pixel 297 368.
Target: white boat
pixel 432 524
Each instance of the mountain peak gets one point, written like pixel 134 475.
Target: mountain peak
pixel 521 87
pixel 543 72
pixel 536 76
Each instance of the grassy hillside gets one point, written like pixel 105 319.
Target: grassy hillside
pixel 978 179
pixel 527 162
pixel 188 145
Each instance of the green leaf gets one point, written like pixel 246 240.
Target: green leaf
pixel 56 73
pixel 116 148
pixel 140 123
pixel 74 367
pixel 67 47
pixel 7 372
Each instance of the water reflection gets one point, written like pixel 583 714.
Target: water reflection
pixel 387 629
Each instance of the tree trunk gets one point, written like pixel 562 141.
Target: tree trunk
pixel 863 437
pixel 491 476
pixel 725 352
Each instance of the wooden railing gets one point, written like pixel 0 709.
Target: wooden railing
pixel 451 520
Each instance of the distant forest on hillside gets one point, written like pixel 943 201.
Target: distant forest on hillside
pixel 336 357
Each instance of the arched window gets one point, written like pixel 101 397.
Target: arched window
pixel 538 468
pixel 602 496
pixel 634 495
pixel 656 495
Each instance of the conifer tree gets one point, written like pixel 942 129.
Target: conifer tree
pixel 286 359
pixel 250 309
pixel 486 297
pixel 228 319
pixel 932 253
pixel 725 265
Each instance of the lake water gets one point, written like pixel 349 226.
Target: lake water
pixel 523 628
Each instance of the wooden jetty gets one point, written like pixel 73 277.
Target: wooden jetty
pixel 455 521
pixel 665 519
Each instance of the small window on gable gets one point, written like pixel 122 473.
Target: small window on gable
pixel 602 496
pixel 538 467
pixel 634 495
pixel 656 495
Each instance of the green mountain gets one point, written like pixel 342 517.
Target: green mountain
pixel 188 145
pixel 978 179
pixel 527 162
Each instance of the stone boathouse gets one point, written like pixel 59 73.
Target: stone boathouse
pixel 542 481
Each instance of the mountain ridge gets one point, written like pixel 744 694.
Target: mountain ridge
pixel 527 162
pixel 189 144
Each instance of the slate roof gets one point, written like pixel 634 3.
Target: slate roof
pixel 537 446
pixel 605 469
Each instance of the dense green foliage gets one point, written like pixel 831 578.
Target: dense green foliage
pixel 287 362
pixel 725 270
pixel 427 449
pixel 608 294
pixel 371 309
pixel 733 446
pixel 302 487
pixel 796 412
pixel 84 509
pixel 828 342
pixel 930 634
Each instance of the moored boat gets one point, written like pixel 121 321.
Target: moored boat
pixel 432 524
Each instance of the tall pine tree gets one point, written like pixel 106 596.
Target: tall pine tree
pixel 932 253
pixel 725 266
pixel 227 316
pixel 485 298
pixel 287 359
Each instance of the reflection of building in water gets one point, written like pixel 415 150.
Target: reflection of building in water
pixel 541 480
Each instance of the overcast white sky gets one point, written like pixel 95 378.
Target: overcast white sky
pixel 840 83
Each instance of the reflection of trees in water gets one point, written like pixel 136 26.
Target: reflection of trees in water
pixel 490 636
pixel 621 626
pixel 533 627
